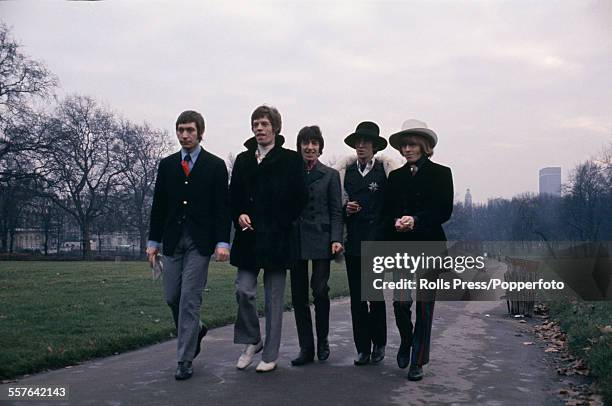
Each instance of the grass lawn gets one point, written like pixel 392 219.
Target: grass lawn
pixel 583 322
pixel 55 314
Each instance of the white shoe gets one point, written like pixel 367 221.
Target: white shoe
pixel 266 366
pixel 246 358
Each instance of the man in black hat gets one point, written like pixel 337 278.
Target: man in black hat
pixel 364 185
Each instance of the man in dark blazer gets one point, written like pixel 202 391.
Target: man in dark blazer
pixel 190 216
pixel 267 194
pixel 418 201
pixel 320 237
pixel 365 181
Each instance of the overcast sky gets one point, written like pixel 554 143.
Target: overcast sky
pixel 509 87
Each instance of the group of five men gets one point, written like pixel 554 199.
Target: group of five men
pixel 288 208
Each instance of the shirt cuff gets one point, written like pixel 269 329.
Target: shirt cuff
pixel 222 245
pixel 153 244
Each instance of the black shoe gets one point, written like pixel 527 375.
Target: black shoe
pixel 183 371
pixel 362 359
pixel 403 356
pixel 415 373
pixel 203 331
pixel 322 349
pixel 378 353
pixel 306 356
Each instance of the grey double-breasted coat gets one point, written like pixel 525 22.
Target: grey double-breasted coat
pixel 320 222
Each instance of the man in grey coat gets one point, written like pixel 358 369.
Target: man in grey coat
pixel 320 236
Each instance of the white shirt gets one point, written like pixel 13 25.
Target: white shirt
pixel 368 167
pixel 262 151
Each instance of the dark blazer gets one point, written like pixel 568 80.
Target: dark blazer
pixel 320 222
pixel 369 191
pixel 428 196
pixel 198 201
pixel 273 194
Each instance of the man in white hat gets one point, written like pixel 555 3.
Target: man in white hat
pixel 418 200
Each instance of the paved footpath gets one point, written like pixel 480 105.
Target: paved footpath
pixel 477 359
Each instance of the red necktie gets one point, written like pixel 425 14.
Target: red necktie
pixel 185 164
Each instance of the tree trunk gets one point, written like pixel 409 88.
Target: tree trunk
pixel 46 243
pixel 11 240
pixel 59 235
pixel 86 240
pixel 4 241
pixel 142 233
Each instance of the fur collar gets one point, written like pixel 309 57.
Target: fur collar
pixel 389 164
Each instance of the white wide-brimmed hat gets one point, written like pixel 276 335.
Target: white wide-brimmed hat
pixel 413 127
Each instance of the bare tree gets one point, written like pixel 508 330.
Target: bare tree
pixel 143 148
pixel 83 165
pixel 14 196
pixel 22 81
pixel 585 200
pixel 48 218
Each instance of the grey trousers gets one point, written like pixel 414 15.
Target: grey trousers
pixel 185 275
pixel 246 329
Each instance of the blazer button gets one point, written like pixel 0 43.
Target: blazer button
pixel 184 202
pixel 186 182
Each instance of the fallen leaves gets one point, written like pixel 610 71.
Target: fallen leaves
pixel 606 330
pixel 540 309
pixel 59 350
pixel 550 333
pixel 580 395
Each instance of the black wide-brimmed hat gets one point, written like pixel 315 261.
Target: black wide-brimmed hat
pixel 368 131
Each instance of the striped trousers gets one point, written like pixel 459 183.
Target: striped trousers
pixel 416 336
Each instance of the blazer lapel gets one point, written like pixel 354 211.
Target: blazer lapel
pixel 199 163
pixel 317 173
pixel 178 169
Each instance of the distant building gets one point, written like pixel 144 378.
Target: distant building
pixel 550 181
pixel 32 239
pixel 468 198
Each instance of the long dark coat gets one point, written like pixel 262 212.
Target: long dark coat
pixel 369 191
pixel 320 222
pixel 273 194
pixel 428 196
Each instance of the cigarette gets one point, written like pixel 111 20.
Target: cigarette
pixel 245 228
